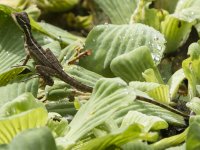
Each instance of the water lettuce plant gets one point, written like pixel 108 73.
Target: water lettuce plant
pixel 141 57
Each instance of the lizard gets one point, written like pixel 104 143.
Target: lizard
pixel 47 65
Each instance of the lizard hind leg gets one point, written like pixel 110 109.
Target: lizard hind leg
pixel 44 74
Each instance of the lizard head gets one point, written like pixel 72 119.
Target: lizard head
pixel 22 20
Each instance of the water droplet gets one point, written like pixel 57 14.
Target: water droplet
pixel 120 85
pixel 65 58
pixel 159 47
pixel 8 53
pixel 156 57
pixel 155 38
pixel 48 40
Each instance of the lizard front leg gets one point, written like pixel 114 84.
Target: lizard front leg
pixel 26 60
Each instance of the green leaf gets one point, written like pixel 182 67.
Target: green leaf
pixel 149 16
pixel 56 6
pixel 32 139
pixel 108 96
pixel 22 113
pixel 175 31
pixel 83 75
pixel 193 137
pixel 170 141
pixel 62 90
pixel 131 65
pixel 122 14
pixel 160 94
pixel 110 41
pixel 181 147
pixel 194 105
pixel 133 132
pixel 138 145
pixel 15 4
pixel 188 10
pixel 58 91
pixel 56 33
pixel 149 122
pixel 69 52
pixel 150 109
pixel 22 103
pixel 9 75
pixel 197 26
pixel 143 86
pixel 57 124
pixel 152 75
pixel 62 107
pixel 174 82
pixel 11 48
pixel 18 86
pixel 191 69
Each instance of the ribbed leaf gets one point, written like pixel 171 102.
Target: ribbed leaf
pixel 136 145
pixel 197 26
pixel 57 124
pixel 179 147
pixel 175 31
pixel 69 52
pixel 62 90
pixel 63 108
pixel 194 105
pixel 191 69
pixel 131 133
pixel 7 76
pixel 56 33
pixel 175 81
pixel 150 109
pixel 83 75
pixel 110 41
pixel 143 86
pixel 149 122
pixel 131 65
pixel 152 75
pixel 157 91
pixel 32 139
pixel 170 141
pixel 16 87
pixel 149 16
pixel 108 96
pixel 192 141
pixel 160 94
pixel 20 114
pixel 58 91
pixel 188 10
pixel 11 45
pixel 122 14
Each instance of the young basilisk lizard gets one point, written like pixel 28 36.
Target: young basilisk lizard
pixel 47 64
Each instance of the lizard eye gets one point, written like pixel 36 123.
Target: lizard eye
pixel 22 19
